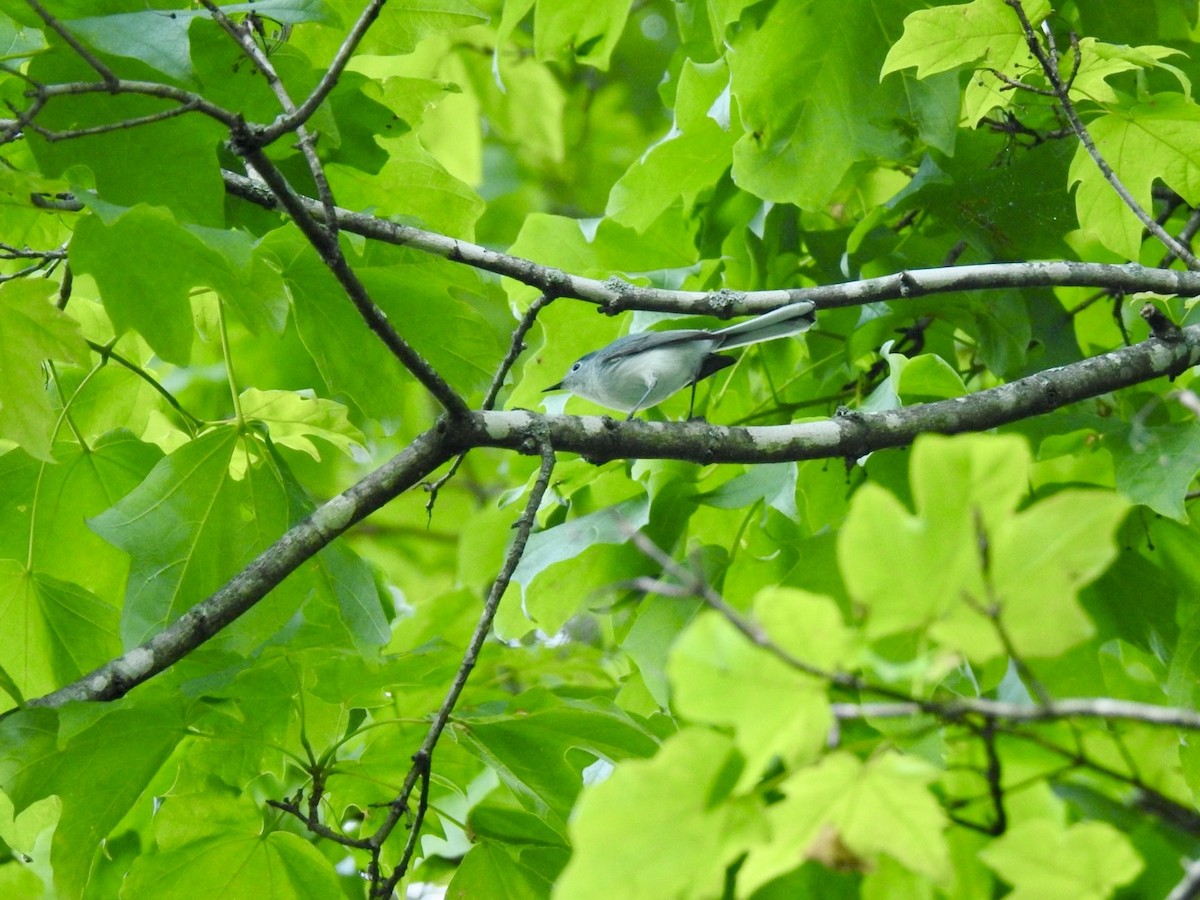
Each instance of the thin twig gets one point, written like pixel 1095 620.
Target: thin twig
pixel 141 88
pixel 72 133
pixel 305 140
pixel 1190 227
pixel 8 251
pixel 330 252
pixel 1018 85
pixel 422 759
pixel 516 346
pixel 25 272
pixel 1049 63
pixel 302 113
pixel 993 775
pixel 316 826
pixel 83 52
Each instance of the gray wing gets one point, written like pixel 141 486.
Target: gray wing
pixel 633 344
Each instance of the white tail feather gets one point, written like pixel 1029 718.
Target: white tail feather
pixel 787 320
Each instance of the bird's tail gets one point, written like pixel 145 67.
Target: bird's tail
pixel 787 320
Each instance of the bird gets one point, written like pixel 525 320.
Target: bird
pixel 639 371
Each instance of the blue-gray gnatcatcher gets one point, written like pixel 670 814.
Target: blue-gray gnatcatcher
pixel 642 370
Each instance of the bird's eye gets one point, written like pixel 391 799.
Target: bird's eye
pixel 575 368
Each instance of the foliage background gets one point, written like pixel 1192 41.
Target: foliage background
pixel 964 669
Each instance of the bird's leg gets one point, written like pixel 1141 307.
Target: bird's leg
pixel 650 384
pixel 692 402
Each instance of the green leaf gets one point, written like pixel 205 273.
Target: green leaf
pixel 188 527
pixel 489 871
pixel 43 508
pixel 170 163
pixel 349 356
pixel 912 380
pixel 931 559
pixel 29 834
pixel 1040 858
pixel 112 248
pixel 534 748
pixel 55 631
pixel 1153 139
pixel 773 484
pixel 160 39
pixel 660 827
pixel 292 418
pixel 1040 560
pixel 689 159
pixel 339 587
pixel 947 37
pixel 349 580
pixel 1099 61
pixel 32 330
pixel 932 573
pixel 874 808
pixel 18 41
pixel 216 845
pixel 82 754
pixel 561 563
pixel 720 677
pixel 929 377
pixel 428 301
pixel 578 32
pixel 806 84
pixel 404 27
pixel 984 32
pixel 1155 465
pixel 412 184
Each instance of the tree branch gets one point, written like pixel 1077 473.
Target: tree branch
pixel 72 133
pixel 1050 711
pixel 142 88
pixel 614 295
pixel 302 113
pixel 422 759
pixel 116 678
pixel 1189 886
pixel 83 52
pixel 244 39
pixel 1062 91
pixel 326 245
pixel 849 435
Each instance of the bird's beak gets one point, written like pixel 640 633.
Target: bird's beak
pixel 553 387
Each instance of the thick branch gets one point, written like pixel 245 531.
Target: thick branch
pixel 299 544
pixel 599 438
pixel 853 434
